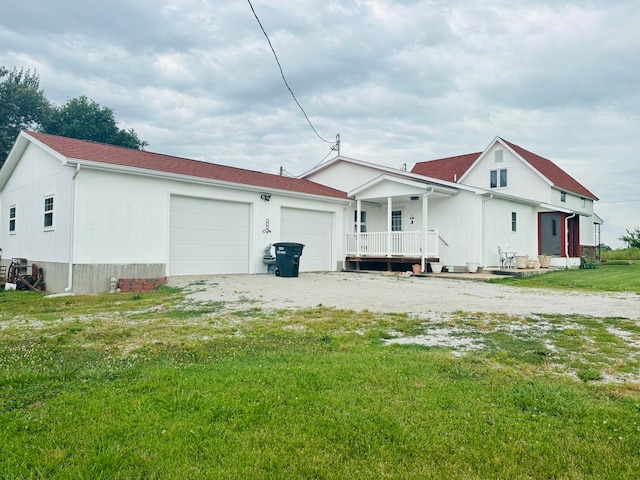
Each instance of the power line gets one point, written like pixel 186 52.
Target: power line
pixel 337 142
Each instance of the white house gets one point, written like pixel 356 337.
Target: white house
pixel 86 212
pixel 460 209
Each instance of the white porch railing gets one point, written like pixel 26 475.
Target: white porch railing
pixel 386 244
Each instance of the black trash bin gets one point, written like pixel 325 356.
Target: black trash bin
pixel 288 258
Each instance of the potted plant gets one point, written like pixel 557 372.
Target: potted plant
pixel 544 260
pixel 521 261
pixel 436 267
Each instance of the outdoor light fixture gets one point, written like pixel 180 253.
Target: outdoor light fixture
pixel 266 197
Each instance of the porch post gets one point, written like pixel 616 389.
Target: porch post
pixel 358 227
pixel 389 212
pixel 425 230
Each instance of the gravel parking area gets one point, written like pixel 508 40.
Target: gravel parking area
pixel 424 296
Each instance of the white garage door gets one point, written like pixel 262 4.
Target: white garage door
pixel 313 229
pixel 208 236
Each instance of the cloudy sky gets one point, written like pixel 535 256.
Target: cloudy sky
pixel 401 81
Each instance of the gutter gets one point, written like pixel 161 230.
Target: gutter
pixel 484 229
pixel 71 230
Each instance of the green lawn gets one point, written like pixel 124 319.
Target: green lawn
pixel 607 278
pixel 153 386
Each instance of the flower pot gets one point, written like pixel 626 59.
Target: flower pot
pixel 417 268
pixel 521 261
pixel 472 267
pixel 544 260
pixel 436 267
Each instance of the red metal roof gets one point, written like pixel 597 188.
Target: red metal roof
pixel 450 168
pixel 129 157
pixel 554 173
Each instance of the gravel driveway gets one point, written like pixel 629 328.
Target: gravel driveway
pixel 423 296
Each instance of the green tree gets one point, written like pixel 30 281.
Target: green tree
pixel 23 105
pixel 632 239
pixel 86 120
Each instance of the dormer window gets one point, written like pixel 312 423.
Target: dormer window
pixel 498 178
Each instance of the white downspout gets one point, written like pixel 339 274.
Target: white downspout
pixel 425 229
pixel 484 230
pixel 71 230
pixel 566 240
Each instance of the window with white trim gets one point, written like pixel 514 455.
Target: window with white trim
pixel 498 178
pixel 12 219
pixel 514 222
pixel 363 221
pixel 563 196
pixel 48 212
pixel 583 202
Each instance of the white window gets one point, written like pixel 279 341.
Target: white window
pixel 48 212
pixel 12 219
pixel 583 202
pixel 396 221
pixel 363 221
pixel 498 178
pixel 514 222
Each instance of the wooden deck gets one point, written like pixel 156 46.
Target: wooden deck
pixel 382 264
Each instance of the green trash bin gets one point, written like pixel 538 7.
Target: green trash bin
pixel 288 258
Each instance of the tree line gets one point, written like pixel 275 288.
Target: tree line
pixel 23 105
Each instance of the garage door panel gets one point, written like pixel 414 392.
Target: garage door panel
pixel 208 236
pixel 314 229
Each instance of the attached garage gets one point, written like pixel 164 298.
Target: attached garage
pixel 314 229
pixel 208 236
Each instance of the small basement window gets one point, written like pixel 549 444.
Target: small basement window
pixel 12 219
pixel 48 212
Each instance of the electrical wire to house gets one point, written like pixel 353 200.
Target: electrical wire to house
pixel 335 145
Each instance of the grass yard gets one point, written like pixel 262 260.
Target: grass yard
pixel 133 386
pixel 605 278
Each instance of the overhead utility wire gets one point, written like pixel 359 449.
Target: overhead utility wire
pixel 337 142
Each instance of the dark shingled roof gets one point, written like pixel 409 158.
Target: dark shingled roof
pixel 451 168
pixel 129 157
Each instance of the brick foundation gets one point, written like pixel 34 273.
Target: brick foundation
pixel 140 284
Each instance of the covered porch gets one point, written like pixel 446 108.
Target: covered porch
pixel 391 225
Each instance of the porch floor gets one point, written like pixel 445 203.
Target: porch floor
pixel 382 264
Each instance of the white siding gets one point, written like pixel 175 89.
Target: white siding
pixel 36 176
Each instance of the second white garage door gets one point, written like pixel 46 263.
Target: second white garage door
pixel 208 236
pixel 314 229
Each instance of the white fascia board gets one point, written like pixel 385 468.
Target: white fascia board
pixel 504 145
pixel 18 149
pixel 402 181
pixel 200 180
pixel 597 219
pixel 395 173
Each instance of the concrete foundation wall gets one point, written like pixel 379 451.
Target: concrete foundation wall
pixel 95 278
pixel 92 278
